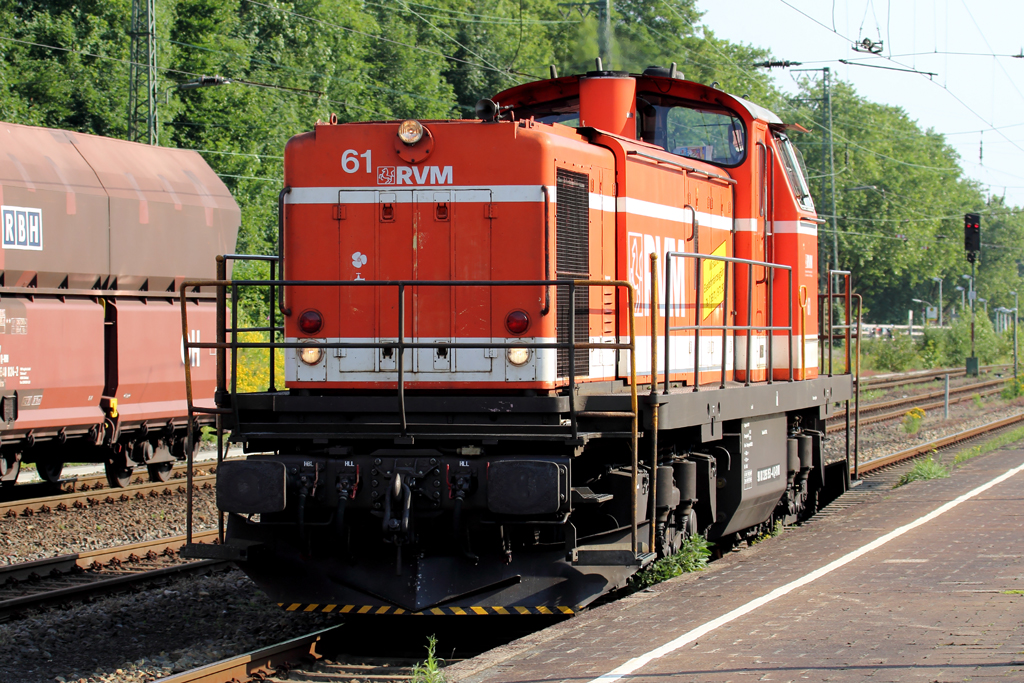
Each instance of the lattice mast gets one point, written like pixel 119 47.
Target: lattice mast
pixel 142 85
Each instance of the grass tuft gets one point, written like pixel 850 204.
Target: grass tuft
pixel 776 530
pixel 923 469
pixel 692 557
pixel 429 670
pixel 992 444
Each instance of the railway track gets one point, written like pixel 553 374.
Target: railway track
pixel 900 379
pixel 301 659
pixel 67 578
pixel 364 648
pixel 86 496
pixel 940 443
pixel 838 423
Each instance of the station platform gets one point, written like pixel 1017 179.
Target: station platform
pixel 921 583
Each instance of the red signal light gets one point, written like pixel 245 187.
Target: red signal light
pixel 310 322
pixel 517 322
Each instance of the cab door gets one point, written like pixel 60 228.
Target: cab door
pixel 432 251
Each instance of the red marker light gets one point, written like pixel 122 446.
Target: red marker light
pixel 311 321
pixel 517 322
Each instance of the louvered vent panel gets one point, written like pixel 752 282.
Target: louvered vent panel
pixel 573 249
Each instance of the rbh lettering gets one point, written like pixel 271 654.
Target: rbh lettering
pixel 22 227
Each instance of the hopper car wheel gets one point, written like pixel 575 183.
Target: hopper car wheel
pixel 10 466
pixel 119 475
pixel 50 470
pixel 160 472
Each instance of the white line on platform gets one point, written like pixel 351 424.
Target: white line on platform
pixel 632 665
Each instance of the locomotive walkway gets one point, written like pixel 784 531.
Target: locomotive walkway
pixel 922 583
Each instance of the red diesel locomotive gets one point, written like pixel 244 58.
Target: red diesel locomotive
pixel 475 418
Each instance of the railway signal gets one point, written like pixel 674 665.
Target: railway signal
pixel 972 245
pixel 972 235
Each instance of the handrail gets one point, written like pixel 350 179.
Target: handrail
pixel 725 328
pixel 689 169
pixel 223 345
pixel 280 247
pixel 827 318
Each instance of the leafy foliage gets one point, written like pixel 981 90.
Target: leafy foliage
pixel 1013 389
pixel 894 355
pixel 692 557
pixel 950 346
pixel 912 420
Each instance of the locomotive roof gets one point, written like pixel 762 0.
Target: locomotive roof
pixel 549 90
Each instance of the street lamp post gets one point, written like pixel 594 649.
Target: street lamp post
pixel 939 280
pixel 924 310
pixel 961 290
pixel 984 301
pixel 1016 305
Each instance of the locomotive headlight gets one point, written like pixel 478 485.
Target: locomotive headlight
pixel 311 355
pixel 518 356
pixel 410 131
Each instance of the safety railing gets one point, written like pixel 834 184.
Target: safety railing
pixel 228 342
pixel 849 333
pixel 725 328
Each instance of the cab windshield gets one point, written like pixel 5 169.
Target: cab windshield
pixel 565 112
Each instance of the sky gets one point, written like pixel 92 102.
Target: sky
pixel 975 98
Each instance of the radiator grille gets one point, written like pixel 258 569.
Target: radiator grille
pixel 572 219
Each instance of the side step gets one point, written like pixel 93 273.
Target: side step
pixel 612 556
pixel 582 495
pixel 234 551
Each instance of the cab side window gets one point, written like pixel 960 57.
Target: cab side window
pixel 691 130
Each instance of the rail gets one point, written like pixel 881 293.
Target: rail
pixel 223 346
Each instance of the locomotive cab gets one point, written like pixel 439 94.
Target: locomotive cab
pixel 472 310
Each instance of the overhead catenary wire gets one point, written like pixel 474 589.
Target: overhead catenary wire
pixel 890 58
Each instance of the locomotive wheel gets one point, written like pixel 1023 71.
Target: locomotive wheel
pixel 160 472
pixel 119 475
pixel 50 470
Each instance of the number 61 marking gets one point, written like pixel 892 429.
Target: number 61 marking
pixel 350 160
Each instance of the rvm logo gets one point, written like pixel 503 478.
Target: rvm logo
pixel 22 227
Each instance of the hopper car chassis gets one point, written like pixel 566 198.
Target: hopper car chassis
pixel 117 442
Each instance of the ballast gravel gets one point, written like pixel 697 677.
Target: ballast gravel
pixel 148 635
pixel 885 438
pixel 104 525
